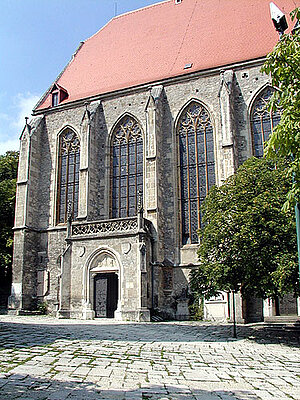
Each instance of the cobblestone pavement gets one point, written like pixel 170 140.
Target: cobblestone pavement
pixel 45 358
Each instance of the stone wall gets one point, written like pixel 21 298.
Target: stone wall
pixel 227 95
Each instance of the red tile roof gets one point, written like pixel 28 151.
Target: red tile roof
pixel 156 42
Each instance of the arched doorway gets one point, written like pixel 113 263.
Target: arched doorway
pixel 102 283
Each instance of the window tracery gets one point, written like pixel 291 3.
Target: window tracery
pixel 263 121
pixel 196 167
pixel 126 168
pixel 68 175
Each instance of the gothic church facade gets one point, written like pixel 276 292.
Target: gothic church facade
pixel 154 109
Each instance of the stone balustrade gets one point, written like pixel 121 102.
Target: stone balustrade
pixel 124 225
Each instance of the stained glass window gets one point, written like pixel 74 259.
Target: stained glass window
pixel 196 167
pixel 126 168
pixel 263 121
pixel 68 175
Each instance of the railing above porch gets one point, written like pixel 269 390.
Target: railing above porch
pixel 124 225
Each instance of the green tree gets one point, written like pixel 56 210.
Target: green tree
pixel 249 242
pixel 283 65
pixel 8 174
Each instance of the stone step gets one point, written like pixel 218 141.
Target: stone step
pixel 283 326
pixel 282 319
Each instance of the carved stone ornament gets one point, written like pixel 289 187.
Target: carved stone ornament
pixel 105 263
pixel 142 247
pixel 111 226
pixel 80 251
pixel 126 247
pixel 127 130
pixel 140 202
pixel 69 142
pixel 70 210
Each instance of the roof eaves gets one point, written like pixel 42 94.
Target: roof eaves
pixel 162 81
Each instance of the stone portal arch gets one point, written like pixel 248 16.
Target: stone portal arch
pixel 102 284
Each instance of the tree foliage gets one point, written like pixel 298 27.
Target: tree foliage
pixel 283 65
pixel 8 174
pixel 249 242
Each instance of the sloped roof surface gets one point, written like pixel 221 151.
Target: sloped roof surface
pixel 156 42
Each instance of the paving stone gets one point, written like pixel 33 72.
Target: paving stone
pixel 59 395
pixel 109 360
pixel 101 372
pixel 206 396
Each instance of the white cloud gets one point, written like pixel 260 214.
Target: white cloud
pixel 24 104
pixel 12 119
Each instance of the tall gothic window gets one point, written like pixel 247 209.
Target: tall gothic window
pixel 262 122
pixel 197 167
pixel 126 168
pixel 68 175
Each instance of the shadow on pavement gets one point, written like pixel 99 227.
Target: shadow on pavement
pixel 31 332
pixel 27 387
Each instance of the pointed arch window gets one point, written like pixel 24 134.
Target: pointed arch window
pixel 196 167
pixel 68 175
pixel 263 121
pixel 126 168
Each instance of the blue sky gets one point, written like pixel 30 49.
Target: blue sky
pixel 37 39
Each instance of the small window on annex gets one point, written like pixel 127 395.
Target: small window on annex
pixel 68 175
pixel 196 167
pixel 126 168
pixel 263 121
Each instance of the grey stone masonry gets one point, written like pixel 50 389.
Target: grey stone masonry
pixel 152 265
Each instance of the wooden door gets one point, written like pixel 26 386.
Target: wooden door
pixel 105 295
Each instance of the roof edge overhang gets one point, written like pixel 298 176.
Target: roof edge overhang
pixel 145 86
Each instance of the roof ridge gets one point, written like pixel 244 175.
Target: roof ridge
pixel 141 9
pixel 127 13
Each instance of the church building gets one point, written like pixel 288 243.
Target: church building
pixel 154 109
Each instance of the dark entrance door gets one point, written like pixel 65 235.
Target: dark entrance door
pixel 105 295
pixel 286 305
